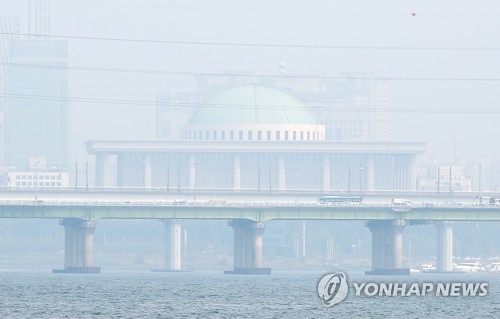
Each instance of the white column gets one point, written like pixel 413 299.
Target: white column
pixel 370 171
pixel 147 170
pixel 413 173
pixel 397 245
pixel 399 173
pixel 103 176
pixel 236 172
pixel 405 173
pixel 326 173
pixel 172 252
pixel 444 260
pixel 87 229
pixel 281 173
pixel 255 235
pixel 192 171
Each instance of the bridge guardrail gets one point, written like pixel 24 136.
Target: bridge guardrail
pixel 207 203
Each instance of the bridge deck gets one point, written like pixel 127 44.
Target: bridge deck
pixel 258 211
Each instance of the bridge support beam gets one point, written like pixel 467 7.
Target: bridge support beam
pixel 78 246
pixel 387 247
pixel 248 247
pixel 444 261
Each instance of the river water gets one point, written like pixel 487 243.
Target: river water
pixel 30 294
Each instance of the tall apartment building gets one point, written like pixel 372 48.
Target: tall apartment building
pixel 37 111
pixel 35 99
pixel 352 109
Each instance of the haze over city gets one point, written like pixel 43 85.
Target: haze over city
pixel 446 41
pixel 222 137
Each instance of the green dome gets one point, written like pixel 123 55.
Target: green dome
pixel 252 104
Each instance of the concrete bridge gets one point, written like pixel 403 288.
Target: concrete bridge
pixel 247 213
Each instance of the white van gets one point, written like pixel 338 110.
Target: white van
pixel 401 202
pixel 180 202
pixel 494 202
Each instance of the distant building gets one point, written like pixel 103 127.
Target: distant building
pixel 37 110
pixel 253 113
pixel 256 137
pixel 40 179
pixel 352 108
pixel 361 112
pixel 174 108
pixel 8 24
pixel 34 102
pixel 438 177
pixel 34 16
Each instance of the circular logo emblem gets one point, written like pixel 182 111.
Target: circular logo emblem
pixel 332 289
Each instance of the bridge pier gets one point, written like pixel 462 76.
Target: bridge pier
pixel 444 261
pixel 248 247
pixel 387 247
pixel 78 246
pixel 172 245
pixel 172 249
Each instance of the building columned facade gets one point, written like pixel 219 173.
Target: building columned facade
pixel 326 166
pixel 254 137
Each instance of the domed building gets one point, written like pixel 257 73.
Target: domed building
pixel 257 138
pixel 253 113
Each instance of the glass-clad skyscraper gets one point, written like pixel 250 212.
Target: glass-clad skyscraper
pixel 36 117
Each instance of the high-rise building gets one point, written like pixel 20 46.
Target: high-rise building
pixel 37 109
pixel 9 24
pixel 35 89
pixel 34 17
pixel 351 109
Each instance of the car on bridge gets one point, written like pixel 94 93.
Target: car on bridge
pixel 402 203
pixel 329 200
pixel 180 202
pixel 488 201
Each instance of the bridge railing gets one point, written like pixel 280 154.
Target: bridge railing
pixel 208 203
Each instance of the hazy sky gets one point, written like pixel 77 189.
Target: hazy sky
pixel 456 42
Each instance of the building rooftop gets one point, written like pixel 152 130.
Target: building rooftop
pixel 321 147
pixel 252 104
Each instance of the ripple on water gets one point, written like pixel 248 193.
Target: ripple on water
pixel 193 295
